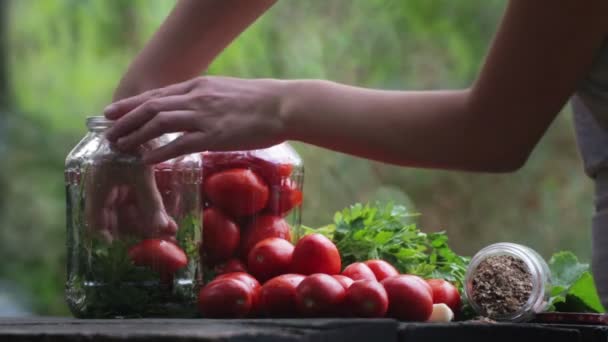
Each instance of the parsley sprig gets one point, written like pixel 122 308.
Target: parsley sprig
pixel 389 232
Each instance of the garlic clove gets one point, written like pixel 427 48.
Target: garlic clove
pixel 441 314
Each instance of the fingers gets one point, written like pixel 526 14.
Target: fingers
pixel 118 109
pixel 144 113
pixel 187 143
pixel 165 122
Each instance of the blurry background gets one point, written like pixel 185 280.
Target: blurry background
pixel 60 60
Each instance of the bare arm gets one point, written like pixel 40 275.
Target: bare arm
pixel 189 39
pixel 541 51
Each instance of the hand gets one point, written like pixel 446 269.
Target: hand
pixel 213 113
pixel 123 200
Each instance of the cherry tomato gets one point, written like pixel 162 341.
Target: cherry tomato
pixel 221 236
pixel 359 271
pixel 269 258
pixel 408 298
pixel 381 269
pixel 225 298
pixel 230 266
pixel 320 295
pixel 366 298
pixel 251 283
pixel 315 253
pixel 263 227
pixel 446 293
pixel 239 192
pixel 278 295
pixel 161 256
pixel 344 280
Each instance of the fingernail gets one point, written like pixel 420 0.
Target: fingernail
pixel 109 108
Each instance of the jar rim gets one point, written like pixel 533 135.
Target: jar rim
pixel 98 123
pixel 528 256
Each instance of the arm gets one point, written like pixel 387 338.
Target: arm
pixel 541 51
pixel 189 39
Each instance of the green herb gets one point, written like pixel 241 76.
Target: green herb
pixel 108 284
pixel 111 285
pixel 573 289
pixel 388 232
pixel 188 234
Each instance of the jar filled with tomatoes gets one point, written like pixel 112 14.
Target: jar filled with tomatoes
pixel 133 230
pixel 248 196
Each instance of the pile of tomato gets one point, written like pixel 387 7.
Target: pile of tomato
pixel 247 244
pixel 307 280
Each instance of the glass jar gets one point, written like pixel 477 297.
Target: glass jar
pixel 248 196
pixel 133 230
pixel 539 276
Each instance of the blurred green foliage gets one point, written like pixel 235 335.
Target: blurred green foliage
pixel 66 56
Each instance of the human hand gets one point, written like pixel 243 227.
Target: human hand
pixel 213 113
pixel 123 200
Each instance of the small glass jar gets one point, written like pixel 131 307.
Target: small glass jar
pixel 133 230
pixel 248 196
pixel 540 277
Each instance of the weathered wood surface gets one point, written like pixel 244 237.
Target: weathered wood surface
pixel 178 330
pixel 351 330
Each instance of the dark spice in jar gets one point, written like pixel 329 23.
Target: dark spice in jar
pixel 502 285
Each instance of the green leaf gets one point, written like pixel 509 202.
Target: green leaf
pixel 584 289
pixel 573 288
pixel 373 231
pixel 565 268
pixel 557 290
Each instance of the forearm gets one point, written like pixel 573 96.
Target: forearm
pixel 194 33
pixel 438 129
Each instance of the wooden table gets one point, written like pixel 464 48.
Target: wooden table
pixel 351 330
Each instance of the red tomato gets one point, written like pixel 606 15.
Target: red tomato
pixel 239 192
pixel 269 258
pixel 263 227
pixel 271 171
pixel 221 236
pixel 278 295
pixel 251 283
pixel 161 256
pixel 225 298
pixel 381 269
pixel 284 170
pixel 315 253
pixel 359 271
pixel 344 280
pixel 446 293
pixel 284 198
pixel 366 298
pixel 230 266
pixel 408 298
pixel 423 283
pixel 319 295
